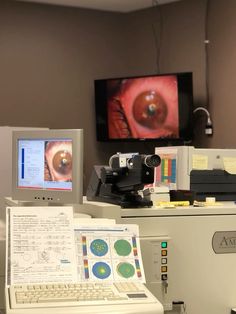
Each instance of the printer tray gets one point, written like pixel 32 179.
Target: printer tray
pixel 213 183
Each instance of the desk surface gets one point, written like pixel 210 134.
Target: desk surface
pixel 228 208
pixel 225 208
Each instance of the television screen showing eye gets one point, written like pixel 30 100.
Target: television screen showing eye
pixel 144 108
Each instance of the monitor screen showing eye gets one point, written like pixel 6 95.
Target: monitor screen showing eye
pixel 154 107
pixel 48 166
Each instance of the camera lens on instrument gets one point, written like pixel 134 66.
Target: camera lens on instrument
pixel 152 161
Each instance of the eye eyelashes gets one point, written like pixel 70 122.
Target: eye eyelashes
pixel 156 118
pixel 118 117
pixel 58 161
pixel 47 173
pixel 140 112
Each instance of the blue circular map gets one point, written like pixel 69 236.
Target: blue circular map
pixel 101 270
pixel 99 247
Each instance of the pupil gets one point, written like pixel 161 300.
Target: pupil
pixel 62 162
pixel 149 109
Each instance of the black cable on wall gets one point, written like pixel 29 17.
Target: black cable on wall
pixel 207 42
pixel 157 30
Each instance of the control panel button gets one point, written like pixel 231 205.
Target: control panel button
pixel 163 269
pixel 163 252
pixel 164 277
pixel 164 245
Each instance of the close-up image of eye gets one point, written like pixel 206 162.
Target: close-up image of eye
pixel 149 109
pixel 144 108
pixel 58 161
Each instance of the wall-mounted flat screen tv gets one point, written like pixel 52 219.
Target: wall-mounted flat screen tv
pixel 152 108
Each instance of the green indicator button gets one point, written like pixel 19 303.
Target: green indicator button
pixel 164 245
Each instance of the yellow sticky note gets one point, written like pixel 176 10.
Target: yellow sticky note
pixel 199 162
pixel 230 164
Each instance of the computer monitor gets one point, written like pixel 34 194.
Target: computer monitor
pixel 47 166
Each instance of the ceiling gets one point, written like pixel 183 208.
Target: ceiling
pixel 106 5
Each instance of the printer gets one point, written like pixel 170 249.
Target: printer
pixel 205 171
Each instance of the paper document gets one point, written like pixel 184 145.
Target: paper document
pixel 41 245
pixel 47 245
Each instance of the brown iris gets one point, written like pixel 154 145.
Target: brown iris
pixel 62 162
pixel 149 109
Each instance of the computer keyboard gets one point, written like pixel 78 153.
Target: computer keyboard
pixel 52 295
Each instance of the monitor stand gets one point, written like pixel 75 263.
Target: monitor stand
pixel 14 203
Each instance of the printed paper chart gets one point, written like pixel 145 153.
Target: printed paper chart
pixel 111 258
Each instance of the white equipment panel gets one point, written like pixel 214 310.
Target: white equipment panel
pixel 201 254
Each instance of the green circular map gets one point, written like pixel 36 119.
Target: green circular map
pixel 122 247
pixel 99 247
pixel 125 270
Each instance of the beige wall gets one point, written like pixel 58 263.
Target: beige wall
pixel 222 65
pixel 50 55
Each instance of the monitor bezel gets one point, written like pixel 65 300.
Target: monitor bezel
pixel 74 196
pixel 185 87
